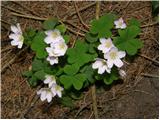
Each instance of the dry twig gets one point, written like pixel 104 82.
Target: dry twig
pixel 155 61
pixel 30 10
pixel 13 59
pixel 43 19
pixel 149 25
pixel 79 16
pixel 83 8
pixel 149 75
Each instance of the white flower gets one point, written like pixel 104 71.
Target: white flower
pixel 16 36
pixel 101 65
pixel 120 23
pixel 52 60
pixel 106 45
pixel 113 57
pixel 45 93
pixel 57 49
pixel 122 73
pixel 57 90
pixel 50 80
pixel 53 36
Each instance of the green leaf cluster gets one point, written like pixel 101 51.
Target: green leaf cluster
pixel 108 78
pixel 79 54
pixel 29 35
pixel 127 40
pixel 39 69
pixel 103 26
pixel 38 45
pixel 77 57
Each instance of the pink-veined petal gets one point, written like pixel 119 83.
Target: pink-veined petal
pixel 59 93
pixel 49 32
pixel 48 40
pixel 46 81
pixel 116 22
pixel 121 54
pixel 118 63
pixel 123 26
pixel 43 95
pixel 101 47
pixel 110 63
pixel 49 97
pixel 20 44
pixel 14 29
pixel 101 70
pixel 14 42
pixel 14 36
pixel 96 64
pixel 102 40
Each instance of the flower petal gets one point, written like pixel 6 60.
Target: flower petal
pixel 59 93
pixel 118 63
pixel 102 40
pixel 14 29
pixel 49 97
pixel 110 63
pixel 46 81
pixel 48 40
pixel 101 70
pixel 14 36
pixel 96 64
pixel 123 26
pixel 43 95
pixel 100 47
pixel 49 32
pixel 14 42
pixel 121 54
pixel 20 44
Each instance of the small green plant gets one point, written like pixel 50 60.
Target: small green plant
pixel 67 71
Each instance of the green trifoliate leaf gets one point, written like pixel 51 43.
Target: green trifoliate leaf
pixel 134 22
pixel 37 65
pixel 89 72
pixel 109 78
pixel 91 37
pixel 127 40
pixel 66 81
pixel 71 69
pixel 66 38
pixel 40 74
pixel 29 35
pixel 38 45
pixel 78 81
pixel 75 80
pixel 79 54
pixel 27 73
pixel 33 81
pixel 50 23
pixel 67 101
pixel 103 26
pixel 62 28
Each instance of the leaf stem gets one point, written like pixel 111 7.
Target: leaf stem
pixel 93 88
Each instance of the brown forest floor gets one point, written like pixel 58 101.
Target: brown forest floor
pixel 134 97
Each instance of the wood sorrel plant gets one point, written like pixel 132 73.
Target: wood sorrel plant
pixel 66 71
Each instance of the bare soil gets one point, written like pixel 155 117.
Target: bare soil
pixel 136 96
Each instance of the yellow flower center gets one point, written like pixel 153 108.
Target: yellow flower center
pixel 58 88
pixel 62 46
pixel 120 23
pixel 113 55
pixel 54 34
pixel 108 44
pixel 21 38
